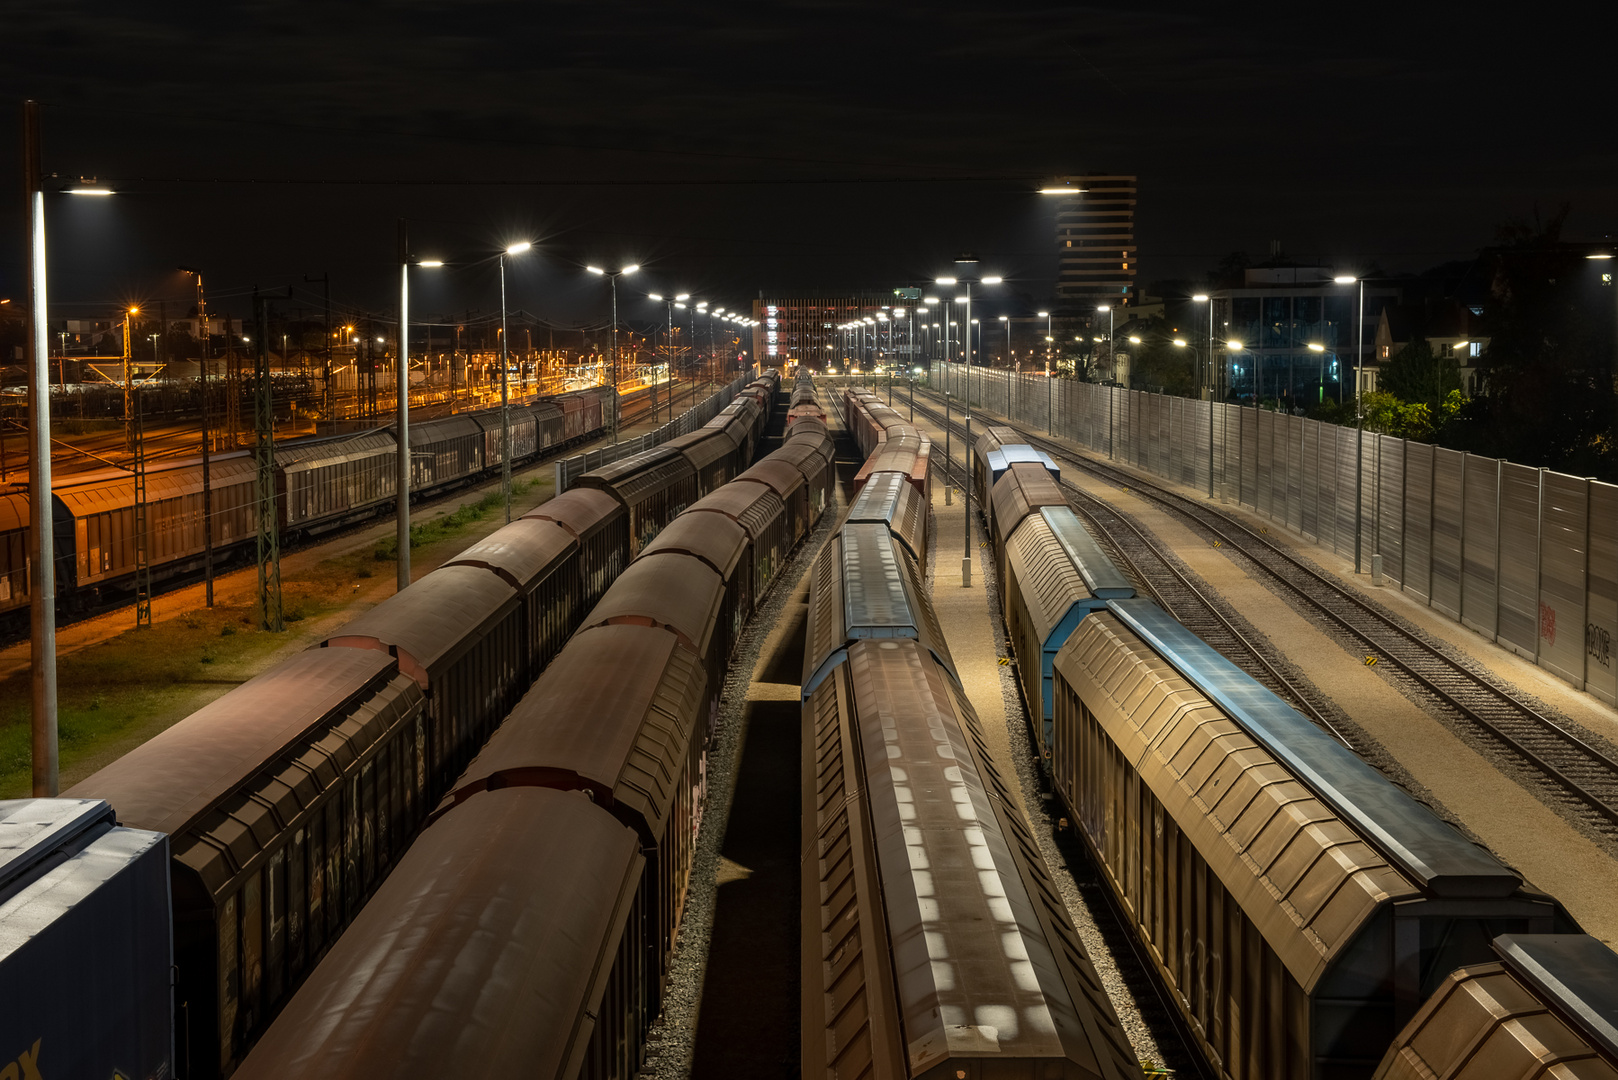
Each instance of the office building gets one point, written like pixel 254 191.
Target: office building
pixel 1095 241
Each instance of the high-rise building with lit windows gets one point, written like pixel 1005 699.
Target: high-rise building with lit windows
pixel 1095 241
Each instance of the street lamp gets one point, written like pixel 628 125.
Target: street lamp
pixel 1111 357
pixel 505 392
pixel 966 274
pixel 402 406
pixel 1359 412
pixel 612 276
pixel 673 302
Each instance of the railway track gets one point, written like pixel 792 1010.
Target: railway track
pixel 1166 581
pixel 1573 774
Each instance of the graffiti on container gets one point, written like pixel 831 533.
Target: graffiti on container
pixel 1547 623
pixel 25 1067
pixel 1598 643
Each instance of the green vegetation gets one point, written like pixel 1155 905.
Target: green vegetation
pixel 127 689
pixel 441 527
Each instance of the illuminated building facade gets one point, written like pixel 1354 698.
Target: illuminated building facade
pixel 804 329
pixel 1095 242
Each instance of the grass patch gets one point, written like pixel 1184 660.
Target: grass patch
pixel 441 527
pixel 134 685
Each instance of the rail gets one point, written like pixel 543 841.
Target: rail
pixel 1582 777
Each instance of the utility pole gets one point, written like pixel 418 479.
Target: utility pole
pixel 269 543
pixel 402 479
pixel 325 280
pixel 207 438
pixel 41 542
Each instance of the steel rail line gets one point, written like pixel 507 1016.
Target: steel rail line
pixel 1177 594
pixel 1586 774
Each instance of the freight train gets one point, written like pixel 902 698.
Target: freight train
pixel 1296 905
pixel 287 802
pixel 934 940
pixel 321 484
pixel 530 930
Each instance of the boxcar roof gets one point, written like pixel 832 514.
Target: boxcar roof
pixel 613 714
pixel 617 473
pixel 178 774
pixel 1022 490
pixel 431 432
pixel 968 939
pixel 1576 973
pixel 864 585
pixel 360 444
pixel 489 419
pixel 889 500
pixel 714 538
pixel 1101 575
pixel 676 591
pixel 581 511
pixel 782 476
pixel 483 953
pixel 1052 589
pixel 522 553
pixel 704 446
pixel 1427 849
pixel 32 828
pixel 754 504
pixel 15 512
pixel 432 623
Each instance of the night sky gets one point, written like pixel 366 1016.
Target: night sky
pixel 778 146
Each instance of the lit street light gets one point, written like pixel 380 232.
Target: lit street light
pixel 613 276
pixel 969 264
pixel 505 391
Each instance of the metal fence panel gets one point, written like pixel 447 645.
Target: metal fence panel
pixel 1309 478
pixel 1343 496
pixel 1518 573
pixel 1224 451
pixel 1480 546
pixel 1564 516
pixel 1449 495
pixel 1390 507
pixel 1601 604
pixel 1418 514
pixel 1273 462
pixel 1295 471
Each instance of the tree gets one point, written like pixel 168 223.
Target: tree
pixel 1548 368
pixel 1419 376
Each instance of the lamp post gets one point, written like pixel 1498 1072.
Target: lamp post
pixel 612 277
pixel 1111 357
pixel 505 392
pixel 966 274
pixel 676 301
pixel 1359 413
pixel 402 407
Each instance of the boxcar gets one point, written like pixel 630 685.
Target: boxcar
pixel 903 451
pixel 864 585
pixel 619 715
pixel 285 802
pixel 459 633
pixel 524 434
pixel 446 452
pixel 103 509
pixel 653 486
pixel 85 943
pixel 1056 574
pixel 15 514
pixel 787 481
pixel 814 454
pixel 600 524
pixel 325 483
pixel 887 500
pixel 723 546
pixel 679 593
pixel 472 962
pixel 760 511
pixel 1547 1007
pixel 1025 489
pixel 1297 904
pixel 934 941
pixel 993 438
pixel 539 559
pixel 714 457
